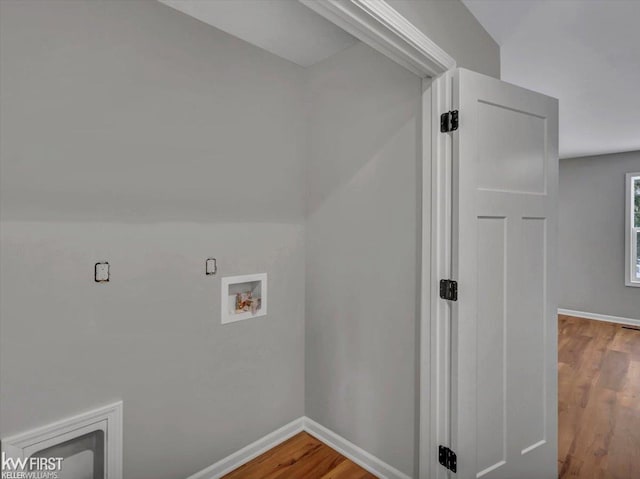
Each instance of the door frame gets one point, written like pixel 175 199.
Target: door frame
pixel 383 28
pixel 435 314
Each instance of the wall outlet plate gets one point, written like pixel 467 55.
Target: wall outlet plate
pixel 211 267
pixel 102 272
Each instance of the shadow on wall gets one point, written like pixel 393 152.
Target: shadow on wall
pixel 354 115
pixel 362 255
pixel 109 113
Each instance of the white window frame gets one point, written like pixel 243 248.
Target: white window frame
pixel 631 233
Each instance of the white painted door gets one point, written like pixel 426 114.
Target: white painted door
pixel 504 352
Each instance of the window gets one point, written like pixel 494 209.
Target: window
pixel 632 231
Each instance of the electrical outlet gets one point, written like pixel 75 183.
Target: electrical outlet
pixel 211 267
pixel 102 272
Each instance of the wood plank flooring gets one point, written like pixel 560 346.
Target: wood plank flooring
pixel 599 400
pixel 301 457
pixel 599 414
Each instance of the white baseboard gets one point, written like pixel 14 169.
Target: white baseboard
pixel 600 317
pixel 253 450
pixel 361 457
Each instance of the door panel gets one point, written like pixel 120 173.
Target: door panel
pixel 517 165
pixel 505 170
pixel 529 336
pixel 491 341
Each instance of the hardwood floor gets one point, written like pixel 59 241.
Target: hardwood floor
pixel 599 400
pixel 301 457
pixel 598 409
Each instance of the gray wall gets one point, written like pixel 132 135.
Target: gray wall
pixel 592 194
pixel 147 115
pixel 454 28
pixel 362 233
pixel 362 252
pixel 135 134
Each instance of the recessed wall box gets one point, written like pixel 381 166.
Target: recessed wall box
pixel 243 297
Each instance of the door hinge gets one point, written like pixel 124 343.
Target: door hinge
pixel 449 121
pixel 448 458
pixel 449 289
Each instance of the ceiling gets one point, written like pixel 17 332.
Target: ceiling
pixel 586 53
pixel 283 27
